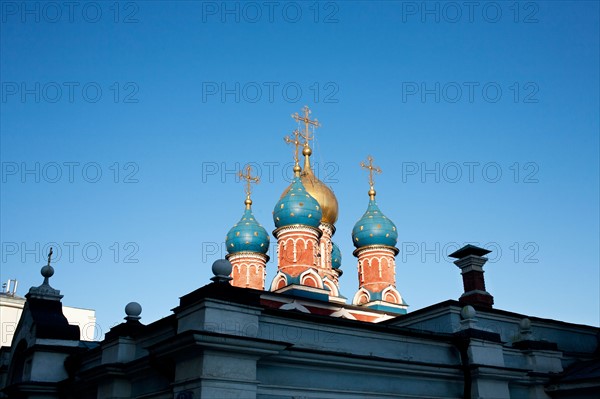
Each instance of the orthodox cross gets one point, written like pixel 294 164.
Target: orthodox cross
pixel 372 169
pixel 249 179
pixel 307 123
pixel 49 256
pixel 296 142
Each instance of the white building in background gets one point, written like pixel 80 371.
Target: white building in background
pixel 11 308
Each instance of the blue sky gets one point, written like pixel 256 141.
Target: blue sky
pixel 122 127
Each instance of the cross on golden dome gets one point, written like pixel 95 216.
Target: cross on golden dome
pixel 372 169
pixel 307 123
pixel 249 179
pixel 296 142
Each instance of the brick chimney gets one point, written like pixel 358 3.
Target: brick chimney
pixel 470 260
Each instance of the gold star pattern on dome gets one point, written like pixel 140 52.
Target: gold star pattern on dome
pixel 249 179
pixel 372 169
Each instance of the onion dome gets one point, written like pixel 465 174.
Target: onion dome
pixel 374 228
pixel 297 206
pixel 323 194
pixel 247 235
pixel 336 256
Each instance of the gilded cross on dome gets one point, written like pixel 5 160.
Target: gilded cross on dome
pixel 307 124
pixel 296 142
pixel 372 169
pixel 249 179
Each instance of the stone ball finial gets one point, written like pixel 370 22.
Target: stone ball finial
pixel 133 310
pixel 525 329
pixel 468 312
pixel 525 324
pixel 47 271
pixel 221 267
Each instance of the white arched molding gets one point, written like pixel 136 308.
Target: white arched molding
pixel 279 277
pixel 391 291
pixel 361 296
pixel 311 274
pixel 332 286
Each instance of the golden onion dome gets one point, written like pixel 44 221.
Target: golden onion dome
pixel 317 189
pixel 323 194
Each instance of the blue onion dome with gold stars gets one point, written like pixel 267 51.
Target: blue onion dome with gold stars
pixel 336 256
pixel 247 235
pixel 297 206
pixel 374 228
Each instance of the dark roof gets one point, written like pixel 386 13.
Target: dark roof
pixel 469 250
pixel 581 371
pixel 452 302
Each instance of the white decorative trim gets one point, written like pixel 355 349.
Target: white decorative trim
pixel 294 306
pixel 333 288
pixel 294 228
pixel 389 260
pixel 311 273
pixel 247 255
pixel 343 313
pixel 395 292
pixel 384 317
pixel 361 291
pixel 278 277
pixel 327 227
pixel 371 248
pixel 293 238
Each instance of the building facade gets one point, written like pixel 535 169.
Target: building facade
pixel 297 336
pixel 11 308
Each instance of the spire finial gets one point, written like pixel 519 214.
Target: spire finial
pixel 308 123
pixel 249 179
pixel 296 142
pixel 50 256
pixel 372 169
pixel 45 291
pixel 48 271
